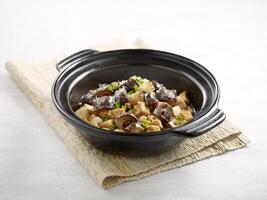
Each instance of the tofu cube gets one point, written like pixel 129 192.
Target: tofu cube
pixel 107 124
pixel 176 110
pixel 141 109
pixel 116 112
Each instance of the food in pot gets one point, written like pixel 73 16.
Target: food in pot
pixel 135 105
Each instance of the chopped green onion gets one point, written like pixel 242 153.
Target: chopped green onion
pixel 145 123
pixel 106 118
pixel 139 80
pixel 180 119
pixel 136 88
pixel 109 87
pixel 113 86
pixel 117 104
pixel 113 126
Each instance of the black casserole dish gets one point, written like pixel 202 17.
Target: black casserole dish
pixel 86 69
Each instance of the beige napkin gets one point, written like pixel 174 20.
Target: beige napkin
pixel 106 169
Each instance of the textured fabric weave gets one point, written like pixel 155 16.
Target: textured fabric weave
pixel 109 170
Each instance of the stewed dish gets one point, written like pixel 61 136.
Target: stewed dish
pixel 135 105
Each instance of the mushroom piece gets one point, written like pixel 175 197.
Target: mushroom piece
pixel 164 111
pixel 104 102
pixel 125 120
pixel 92 94
pixel 169 96
pixel 172 102
pixel 103 92
pixel 120 95
pixel 101 112
pixel 168 124
pixel 129 85
pixel 88 97
pixel 157 85
pixel 151 101
pixel 135 128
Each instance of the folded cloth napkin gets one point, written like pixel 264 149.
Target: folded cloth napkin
pixel 107 169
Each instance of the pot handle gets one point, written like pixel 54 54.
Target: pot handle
pixel 202 125
pixel 74 58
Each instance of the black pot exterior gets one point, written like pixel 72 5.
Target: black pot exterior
pixel 86 69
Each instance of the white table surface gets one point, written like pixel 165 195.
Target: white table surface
pixel 228 37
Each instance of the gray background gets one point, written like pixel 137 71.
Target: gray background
pixel 228 37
